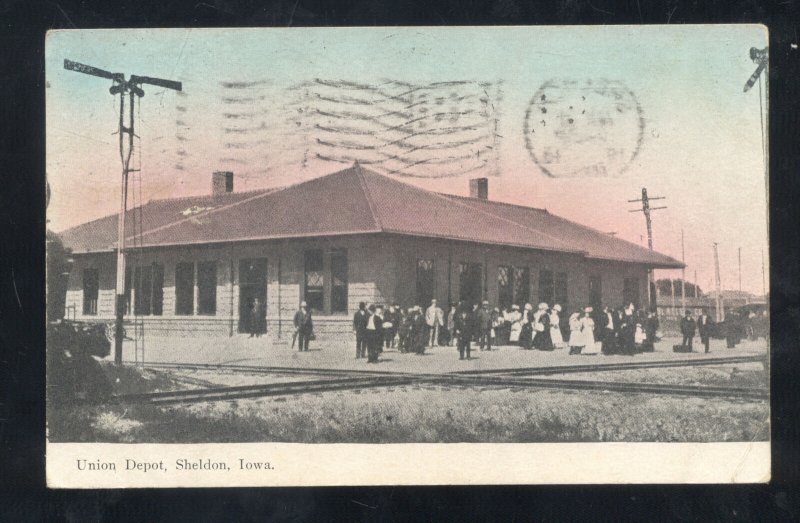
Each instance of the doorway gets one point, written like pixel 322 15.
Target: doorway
pixel 253 295
pixel 470 283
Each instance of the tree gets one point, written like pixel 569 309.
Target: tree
pixel 665 288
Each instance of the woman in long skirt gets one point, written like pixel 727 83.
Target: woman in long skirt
pixel 555 327
pixel 587 329
pixel 515 320
pixel 540 328
pixel 526 334
pixel 575 335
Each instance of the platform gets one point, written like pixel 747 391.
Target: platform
pixel 241 350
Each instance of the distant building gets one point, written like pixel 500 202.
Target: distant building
pixel 196 264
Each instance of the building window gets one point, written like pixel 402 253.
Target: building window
pixel 339 280
pixel 425 282
pixel 184 289
pixel 553 287
pixel 546 286
pixel 522 285
pixel 630 292
pixel 91 290
pixel 596 292
pixel 148 287
pixel 207 288
pixel 314 280
pixel 505 287
pixel 470 282
pixel 561 290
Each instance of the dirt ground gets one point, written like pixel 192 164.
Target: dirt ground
pixel 424 414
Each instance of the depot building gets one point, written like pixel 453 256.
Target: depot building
pixel 195 265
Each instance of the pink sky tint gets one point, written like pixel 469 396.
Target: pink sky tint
pixel 701 146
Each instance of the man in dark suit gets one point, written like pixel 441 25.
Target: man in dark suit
pixel 304 327
pixel 465 330
pixel 391 325
pixel 704 329
pixel 606 324
pixel 688 328
pixel 360 329
pixel 483 325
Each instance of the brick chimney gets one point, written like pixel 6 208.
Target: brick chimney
pixel 479 188
pixel 221 182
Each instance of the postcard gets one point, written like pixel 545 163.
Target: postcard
pixel 407 255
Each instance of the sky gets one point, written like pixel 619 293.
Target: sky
pixel 576 120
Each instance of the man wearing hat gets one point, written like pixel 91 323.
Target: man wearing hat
pixel 420 331
pixel 483 322
pixel 464 329
pixel 434 318
pixel 688 328
pixel 360 329
pixel 304 327
pixel 374 333
pixel 704 328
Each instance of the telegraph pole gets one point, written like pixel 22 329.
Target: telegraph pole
pixel 132 88
pixel 740 269
pixel 763 276
pixel 646 209
pixel 718 285
pixel 683 274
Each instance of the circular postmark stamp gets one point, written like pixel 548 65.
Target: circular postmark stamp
pixel 583 128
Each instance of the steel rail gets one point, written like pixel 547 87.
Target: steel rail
pixel 610 386
pixel 256 391
pixel 517 371
pixel 446 380
pixel 600 367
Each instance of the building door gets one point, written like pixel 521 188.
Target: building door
pixel 470 283
pixel 252 287
pixel 596 292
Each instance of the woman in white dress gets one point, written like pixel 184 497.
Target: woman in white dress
pixel 587 329
pixel 555 327
pixel 514 318
pixel 575 334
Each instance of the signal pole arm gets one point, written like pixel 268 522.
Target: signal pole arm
pixel 131 88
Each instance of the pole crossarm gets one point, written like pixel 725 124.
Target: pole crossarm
pixel 761 58
pixel 132 89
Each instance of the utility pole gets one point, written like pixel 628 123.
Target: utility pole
pixel 696 294
pixel 683 274
pixel 718 285
pixel 672 293
pixel 132 88
pixel 763 276
pixel 646 209
pixel 761 58
pixel 740 269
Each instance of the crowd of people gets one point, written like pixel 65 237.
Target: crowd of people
pixel 589 331
pixel 413 330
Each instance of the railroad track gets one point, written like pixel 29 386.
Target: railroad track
pixel 517 371
pixel 260 369
pixel 745 393
pixel 257 391
pixel 599 367
pixel 444 380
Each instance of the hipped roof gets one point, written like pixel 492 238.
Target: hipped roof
pixel 353 201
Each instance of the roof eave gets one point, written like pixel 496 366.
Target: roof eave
pixel 654 265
